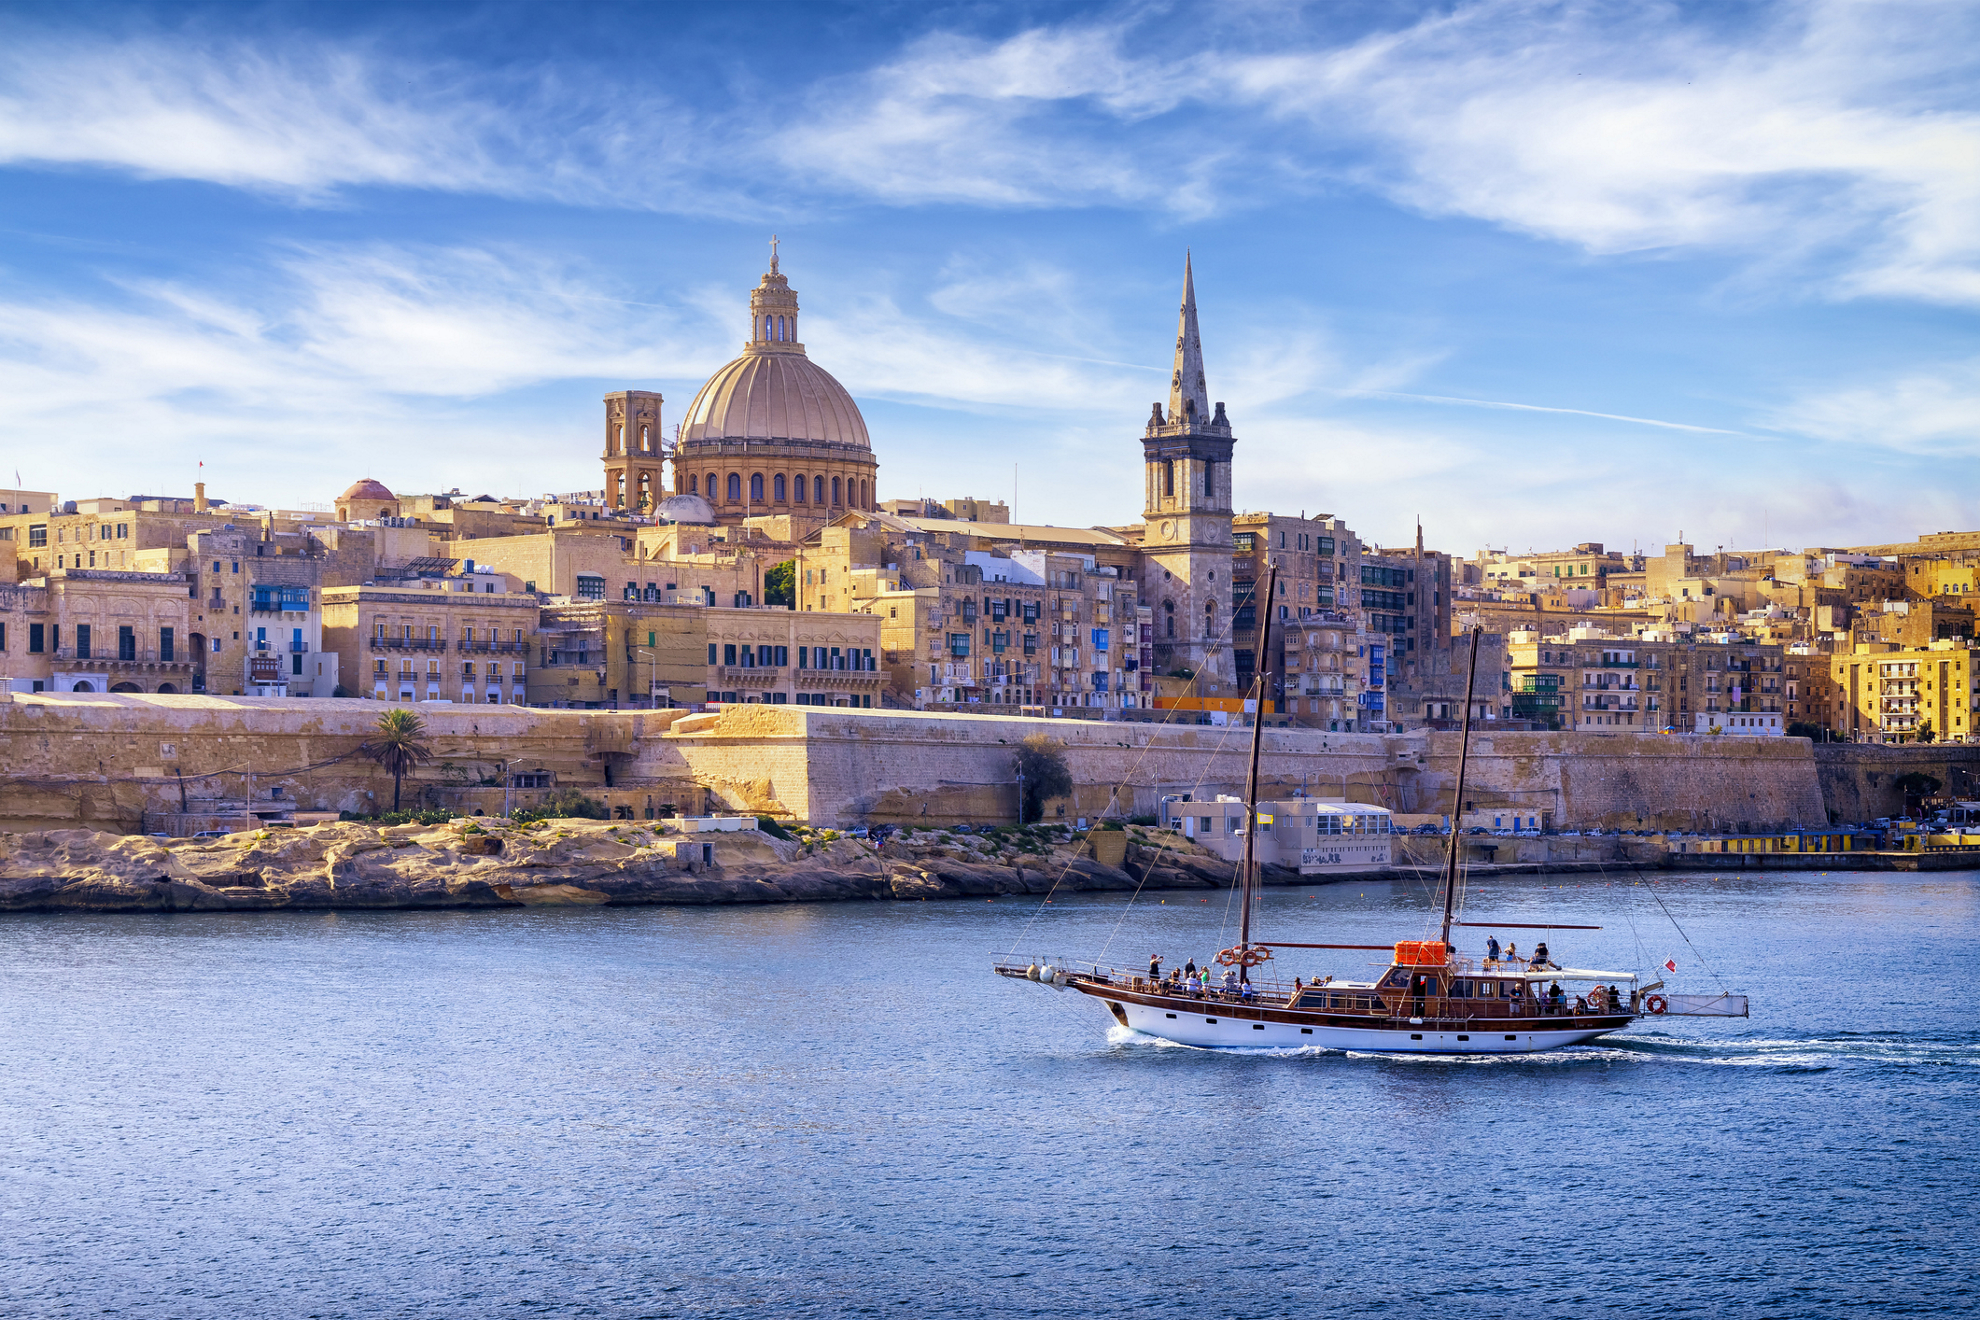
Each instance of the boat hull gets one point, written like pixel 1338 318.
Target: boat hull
pixel 1211 1025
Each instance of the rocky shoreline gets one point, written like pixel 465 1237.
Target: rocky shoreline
pixel 489 863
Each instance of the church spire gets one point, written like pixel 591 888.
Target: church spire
pixel 1189 396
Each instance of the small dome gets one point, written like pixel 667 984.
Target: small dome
pixel 686 509
pixel 772 395
pixel 368 490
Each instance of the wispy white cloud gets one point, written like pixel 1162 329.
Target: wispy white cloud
pixel 328 353
pixel 1933 410
pixel 1806 130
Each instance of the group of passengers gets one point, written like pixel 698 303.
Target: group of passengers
pixel 1200 982
pixel 1541 961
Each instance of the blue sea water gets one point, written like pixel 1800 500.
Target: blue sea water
pixel 837 1110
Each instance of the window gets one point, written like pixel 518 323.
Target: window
pixel 958 644
pixel 778 486
pixel 1168 478
pixel 837 498
pixel 82 641
pixel 590 586
pixel 735 488
pixel 36 634
pixel 711 653
pixel 126 642
pixel 37 534
pixel 756 488
pixel 818 490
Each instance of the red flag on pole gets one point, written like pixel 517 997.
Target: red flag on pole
pixel 1670 964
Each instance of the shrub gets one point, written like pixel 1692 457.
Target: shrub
pixel 564 802
pixel 1042 762
pixel 769 825
pixel 432 816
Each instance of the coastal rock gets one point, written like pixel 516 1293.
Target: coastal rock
pixel 468 863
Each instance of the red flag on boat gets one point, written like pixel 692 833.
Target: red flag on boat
pixel 1670 964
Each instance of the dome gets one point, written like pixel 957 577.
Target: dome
pixel 686 509
pixel 368 490
pixel 774 394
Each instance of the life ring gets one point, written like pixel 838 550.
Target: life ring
pixel 1655 1004
pixel 1249 956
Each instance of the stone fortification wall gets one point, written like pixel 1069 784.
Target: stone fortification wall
pixel 844 767
pixel 1620 781
pixel 107 759
pixel 1859 780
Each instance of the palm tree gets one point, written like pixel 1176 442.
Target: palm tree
pixel 398 747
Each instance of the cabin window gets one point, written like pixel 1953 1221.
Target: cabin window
pixel 1485 989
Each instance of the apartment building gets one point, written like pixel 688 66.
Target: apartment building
pixel 629 654
pixel 1906 695
pixel 459 639
pixel 966 623
pixel 1590 681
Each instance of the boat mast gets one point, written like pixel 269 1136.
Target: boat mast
pixel 1247 869
pixel 1457 803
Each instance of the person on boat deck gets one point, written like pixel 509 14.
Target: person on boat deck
pixel 1615 1000
pixel 1512 953
pixel 1245 991
pixel 1491 950
pixel 1155 967
pixel 1541 958
pixel 1189 968
pixel 1230 981
pixel 1555 994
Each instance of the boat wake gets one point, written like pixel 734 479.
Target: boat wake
pixel 1794 1055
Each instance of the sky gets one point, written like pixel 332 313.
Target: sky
pixel 1533 273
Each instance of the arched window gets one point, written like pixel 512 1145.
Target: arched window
pixel 694 484
pixel 778 485
pixel 818 490
pixel 780 329
pixel 710 488
pixel 836 500
pixel 756 488
pixel 865 495
pixel 1168 478
pixel 1209 469
pixel 798 487
pixel 735 488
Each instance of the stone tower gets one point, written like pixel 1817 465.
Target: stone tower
pixel 633 452
pixel 1186 541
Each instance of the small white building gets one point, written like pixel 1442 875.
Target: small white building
pixel 1313 835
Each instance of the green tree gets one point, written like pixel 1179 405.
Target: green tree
pixel 1925 733
pixel 780 585
pixel 1042 763
pixel 399 746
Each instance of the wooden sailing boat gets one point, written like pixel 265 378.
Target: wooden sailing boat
pixel 1429 999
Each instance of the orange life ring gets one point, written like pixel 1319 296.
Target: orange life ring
pixel 1249 956
pixel 1656 1004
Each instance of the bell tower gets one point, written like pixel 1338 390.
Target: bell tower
pixel 633 452
pixel 1186 536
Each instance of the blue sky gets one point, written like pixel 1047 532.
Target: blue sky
pixel 1537 273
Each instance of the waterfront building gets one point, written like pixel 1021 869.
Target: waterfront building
pixel 1592 681
pixel 1912 694
pixel 462 638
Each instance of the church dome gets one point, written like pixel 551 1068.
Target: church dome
pixel 773 391
pixel 368 489
pixel 690 509
pixel 771 395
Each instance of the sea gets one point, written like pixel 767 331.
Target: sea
pixel 838 1110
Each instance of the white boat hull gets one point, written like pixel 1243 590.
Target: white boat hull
pixel 1212 1030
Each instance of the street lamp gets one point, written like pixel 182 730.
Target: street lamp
pixel 650 652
